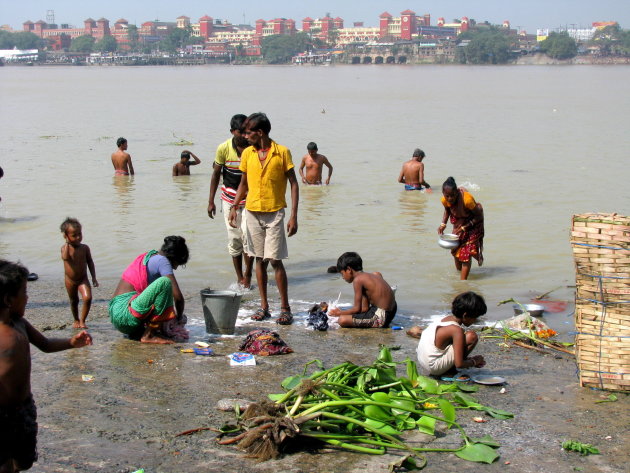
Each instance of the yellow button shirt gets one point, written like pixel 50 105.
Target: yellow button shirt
pixel 267 183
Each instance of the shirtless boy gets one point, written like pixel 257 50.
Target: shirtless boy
pixel 121 159
pixel 182 168
pixel 412 173
pixel 18 415
pixel 374 301
pixel 313 162
pixel 77 259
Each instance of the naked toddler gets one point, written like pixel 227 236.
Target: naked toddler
pixel 77 259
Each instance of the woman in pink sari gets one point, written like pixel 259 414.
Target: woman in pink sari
pixel 466 215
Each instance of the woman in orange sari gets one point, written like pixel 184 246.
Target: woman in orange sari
pixel 466 215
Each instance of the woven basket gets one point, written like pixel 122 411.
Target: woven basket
pixel 601 249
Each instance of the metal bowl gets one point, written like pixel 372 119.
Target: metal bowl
pixel 535 310
pixel 448 241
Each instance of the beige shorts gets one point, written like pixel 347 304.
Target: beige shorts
pixel 265 235
pixel 236 236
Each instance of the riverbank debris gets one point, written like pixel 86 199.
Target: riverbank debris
pixel 363 409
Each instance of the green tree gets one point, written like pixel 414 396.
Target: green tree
pixel 106 45
pixel 133 36
pixel 27 40
pixel 279 49
pixel 559 46
pixel 487 46
pixel 612 40
pixel 82 44
pixel 6 40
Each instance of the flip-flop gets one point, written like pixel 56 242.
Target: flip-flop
pixel 261 314
pixel 286 317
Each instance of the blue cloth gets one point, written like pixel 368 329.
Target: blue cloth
pixel 413 187
pixel 157 266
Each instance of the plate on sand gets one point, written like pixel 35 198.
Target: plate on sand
pixel 488 379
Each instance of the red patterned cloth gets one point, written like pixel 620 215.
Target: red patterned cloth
pixel 264 343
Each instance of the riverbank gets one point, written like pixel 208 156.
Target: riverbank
pixel 141 396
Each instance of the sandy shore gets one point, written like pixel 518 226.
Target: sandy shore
pixel 142 396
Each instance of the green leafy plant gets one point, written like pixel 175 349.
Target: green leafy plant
pixel 579 447
pixel 364 409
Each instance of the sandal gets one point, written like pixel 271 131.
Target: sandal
pixel 261 314
pixel 286 317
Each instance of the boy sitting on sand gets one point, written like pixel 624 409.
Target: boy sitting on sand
pixel 374 301
pixel 77 259
pixel 445 345
pixel 18 416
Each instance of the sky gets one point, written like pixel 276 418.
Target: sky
pixel 523 14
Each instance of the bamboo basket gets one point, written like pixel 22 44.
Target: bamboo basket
pixel 601 250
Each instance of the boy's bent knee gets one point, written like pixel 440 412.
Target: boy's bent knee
pixel 471 338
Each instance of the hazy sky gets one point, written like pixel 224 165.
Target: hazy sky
pixel 528 14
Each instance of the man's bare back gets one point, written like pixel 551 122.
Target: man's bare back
pixel 412 173
pixel 122 160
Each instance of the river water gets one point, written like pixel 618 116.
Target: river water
pixel 534 145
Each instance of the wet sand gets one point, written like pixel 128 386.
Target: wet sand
pixel 143 395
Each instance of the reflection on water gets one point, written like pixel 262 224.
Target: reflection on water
pixel 313 200
pixel 412 206
pixel 364 210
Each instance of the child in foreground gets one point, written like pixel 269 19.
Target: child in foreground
pixel 374 301
pixel 182 168
pixel 77 259
pixel 18 415
pixel 445 345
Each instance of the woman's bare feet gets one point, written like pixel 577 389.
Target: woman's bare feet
pixel 76 324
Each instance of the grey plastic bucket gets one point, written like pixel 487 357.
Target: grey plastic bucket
pixel 220 309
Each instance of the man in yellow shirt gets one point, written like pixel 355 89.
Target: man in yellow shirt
pixel 266 167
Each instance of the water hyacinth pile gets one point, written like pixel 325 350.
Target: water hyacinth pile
pixel 363 409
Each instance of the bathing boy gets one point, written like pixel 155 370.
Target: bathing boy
pixel 77 259
pixel 121 159
pixel 18 415
pixel 182 168
pixel 445 345
pixel 374 301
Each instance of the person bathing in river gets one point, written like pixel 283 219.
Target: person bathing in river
pixel 412 173
pixel 444 345
pixel 77 259
pixel 18 414
pixel 374 300
pixel 182 168
pixel 148 297
pixel 314 163
pixel 121 159
pixel 466 215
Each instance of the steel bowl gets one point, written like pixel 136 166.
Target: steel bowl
pixel 535 310
pixel 448 241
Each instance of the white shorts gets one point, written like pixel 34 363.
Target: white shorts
pixel 265 235
pixel 236 236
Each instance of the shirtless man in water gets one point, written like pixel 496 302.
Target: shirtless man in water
pixel 121 159
pixel 313 162
pixel 182 168
pixel 412 173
